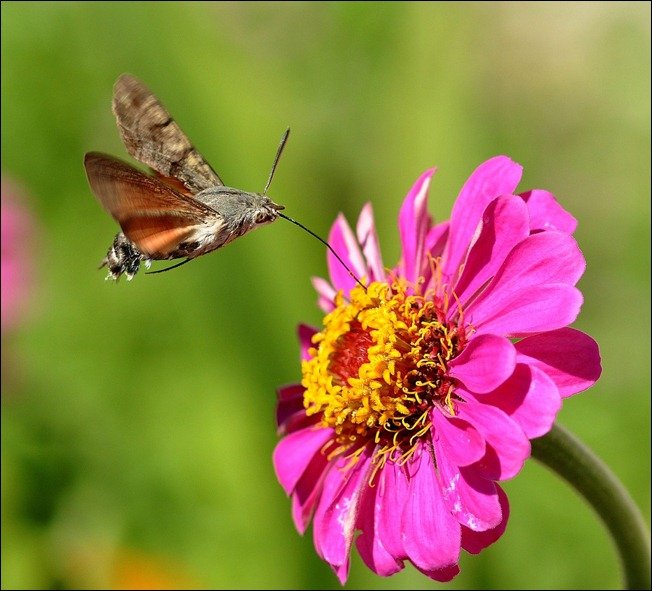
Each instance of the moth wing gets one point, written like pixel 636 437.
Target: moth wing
pixel 151 136
pixel 154 216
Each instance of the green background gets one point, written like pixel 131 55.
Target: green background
pixel 137 419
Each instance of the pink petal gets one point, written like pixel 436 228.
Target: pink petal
pixel 436 239
pixel 368 239
pixel 306 492
pixel 413 224
pixel 392 495
pixel 531 310
pixel 530 397
pixel 504 224
pixel 295 451
pixel 570 357
pixel 458 440
pixel 369 544
pixel 336 515
pixel 475 541
pixel 431 535
pixel 540 259
pixel 546 213
pixel 343 242
pixel 495 177
pixel 472 500
pixel 326 294
pixel 507 448
pixel 486 362
pixel 306 333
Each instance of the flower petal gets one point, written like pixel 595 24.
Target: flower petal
pixel 505 223
pixel 306 333
pixel 369 544
pixel 290 414
pixel 306 492
pixel 472 500
pixel 540 259
pixel 530 397
pixel 431 535
pixel 392 494
pixel 295 451
pixel 546 213
pixel 368 239
pixel 531 310
pixel 570 357
pixel 343 242
pixel 458 440
pixel 507 448
pixel 495 177
pixel 486 362
pixel 413 224
pixel 336 515
pixel 326 293
pixel 475 541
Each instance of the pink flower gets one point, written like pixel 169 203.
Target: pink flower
pixel 17 236
pixel 422 391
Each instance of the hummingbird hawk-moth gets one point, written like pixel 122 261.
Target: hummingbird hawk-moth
pixel 182 209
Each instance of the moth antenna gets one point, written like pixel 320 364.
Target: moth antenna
pixel 284 139
pixel 168 268
pixel 337 256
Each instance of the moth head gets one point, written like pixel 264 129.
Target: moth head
pixel 267 211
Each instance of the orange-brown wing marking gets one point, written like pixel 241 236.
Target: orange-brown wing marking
pixel 155 217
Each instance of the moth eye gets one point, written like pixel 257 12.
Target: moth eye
pixel 261 217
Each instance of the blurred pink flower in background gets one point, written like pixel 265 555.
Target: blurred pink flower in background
pixel 18 235
pixel 423 391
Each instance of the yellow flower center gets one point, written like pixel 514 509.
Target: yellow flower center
pixel 379 366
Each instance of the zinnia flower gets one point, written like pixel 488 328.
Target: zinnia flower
pixel 423 390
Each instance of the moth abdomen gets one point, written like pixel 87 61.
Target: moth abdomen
pixel 123 258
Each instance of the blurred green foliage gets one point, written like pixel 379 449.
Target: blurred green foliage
pixel 137 419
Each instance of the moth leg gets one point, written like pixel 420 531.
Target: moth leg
pixel 123 258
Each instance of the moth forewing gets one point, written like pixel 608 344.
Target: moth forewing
pixel 152 137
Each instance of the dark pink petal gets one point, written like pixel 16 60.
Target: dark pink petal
pixel 306 492
pixel 343 242
pixel 431 535
pixel 495 177
pixel 456 439
pixel 326 294
pixel 507 445
pixel 530 397
pixel 531 310
pixel 505 223
pixel 540 259
pixel 368 239
pixel 475 541
pixel 295 451
pixel 546 213
pixel 486 362
pixel 442 575
pixel 472 500
pixel 336 515
pixel 392 495
pixel 289 409
pixel 570 357
pixel 369 544
pixel 413 224
pixel 306 333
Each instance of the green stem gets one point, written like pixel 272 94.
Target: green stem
pixel 571 459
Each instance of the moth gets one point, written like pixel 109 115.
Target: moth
pixel 182 209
